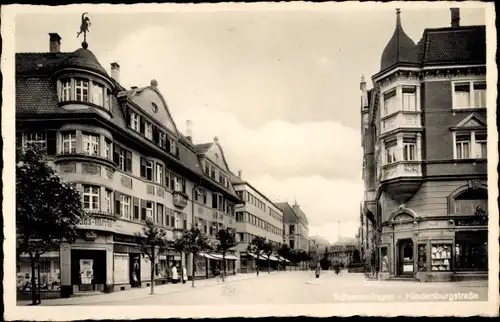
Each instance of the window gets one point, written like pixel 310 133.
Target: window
pixel 469 95
pixel 173 147
pixel 409 99
pixel 125 207
pixel 159 173
pixel 471 250
pixel 97 94
pixel 66 90
pixel 108 146
pixel 36 138
pixel 422 257
pixel 69 142
pixel 81 90
pixel 463 146
pixel 409 149
pixel 480 140
pixel 390 152
pixel 467 202
pixel 147 169
pixel 390 102
pixel 134 121
pixel 479 95
pixel 161 139
pixel 148 130
pixel 123 158
pixel 90 197
pixel 179 184
pixel 108 200
pixel 90 144
pixel 107 104
pixel 149 209
pixel 441 257
pixel 177 223
pixel 159 214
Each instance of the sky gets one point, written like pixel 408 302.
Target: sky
pixel 280 88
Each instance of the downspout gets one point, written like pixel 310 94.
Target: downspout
pixel 193 270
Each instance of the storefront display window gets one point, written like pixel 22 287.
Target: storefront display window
pixel 50 277
pixel 422 257
pixel 441 257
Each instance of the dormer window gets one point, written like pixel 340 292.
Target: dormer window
pixel 148 130
pixel 134 121
pixel 98 94
pixel 81 90
pixel 173 147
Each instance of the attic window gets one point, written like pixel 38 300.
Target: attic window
pixel 154 107
pixel 216 157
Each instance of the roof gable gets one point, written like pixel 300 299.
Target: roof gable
pixel 289 215
pixel 473 120
pixel 216 155
pixel 152 102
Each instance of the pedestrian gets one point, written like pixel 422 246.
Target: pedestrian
pixel 184 275
pixel 175 275
pixel 318 269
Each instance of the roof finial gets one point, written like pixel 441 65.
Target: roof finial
pixel 84 28
pixel 398 18
pixel 362 78
pixel 398 11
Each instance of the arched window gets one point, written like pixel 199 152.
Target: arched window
pixel 466 202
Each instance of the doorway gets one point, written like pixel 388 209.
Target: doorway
pixel 405 257
pixel 88 269
pixel 135 270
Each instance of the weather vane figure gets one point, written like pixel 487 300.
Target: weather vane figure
pixel 84 28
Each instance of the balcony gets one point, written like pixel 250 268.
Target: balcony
pixel 180 199
pixel 99 220
pixel 401 119
pixel 402 179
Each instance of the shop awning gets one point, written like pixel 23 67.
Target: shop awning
pixel 51 254
pixel 206 255
pixel 274 258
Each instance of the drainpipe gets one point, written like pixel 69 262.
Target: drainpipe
pixel 192 226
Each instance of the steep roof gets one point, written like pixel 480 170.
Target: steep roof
pixel 85 59
pixel 400 49
pixel 300 213
pixel 465 45
pixel 289 215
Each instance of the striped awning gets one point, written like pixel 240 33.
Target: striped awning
pixel 206 255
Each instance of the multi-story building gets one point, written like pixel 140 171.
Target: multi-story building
pixel 343 252
pixel 258 217
pixel 425 162
pixel 124 151
pixel 295 226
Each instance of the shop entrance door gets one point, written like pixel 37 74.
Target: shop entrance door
pixel 405 257
pixel 135 270
pixel 88 269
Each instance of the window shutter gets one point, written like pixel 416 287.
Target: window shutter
pixel 167 143
pixel 142 124
pixel 136 208
pixel 143 209
pixel 117 202
pixel 155 134
pixel 116 153
pixel 127 112
pixel 51 143
pixel 143 168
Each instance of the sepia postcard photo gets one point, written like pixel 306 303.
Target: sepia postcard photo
pixel 250 159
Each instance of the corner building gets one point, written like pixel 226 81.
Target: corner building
pixel 123 150
pixel 425 160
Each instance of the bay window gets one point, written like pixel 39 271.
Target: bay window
pixel 409 99
pixel 469 94
pixel 159 173
pixel 66 90
pixel 90 144
pixel 390 152
pixel 81 90
pixel 98 94
pixel 69 142
pixel 409 149
pixel 108 146
pixel 390 102
pixel 91 197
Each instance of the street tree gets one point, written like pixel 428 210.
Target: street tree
pixel 226 240
pixel 284 252
pixel 268 250
pixel 152 241
pixel 257 247
pixel 195 241
pixel 48 210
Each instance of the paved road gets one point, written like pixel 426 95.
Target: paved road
pixel 303 288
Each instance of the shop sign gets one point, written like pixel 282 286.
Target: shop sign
pixel 99 222
pixel 476 221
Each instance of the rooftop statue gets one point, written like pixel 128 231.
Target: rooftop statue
pixel 84 28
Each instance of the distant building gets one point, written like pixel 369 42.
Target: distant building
pixel 424 136
pixel 296 226
pixel 258 217
pixel 343 251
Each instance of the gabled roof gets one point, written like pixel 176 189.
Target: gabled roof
pixel 289 215
pixel 300 213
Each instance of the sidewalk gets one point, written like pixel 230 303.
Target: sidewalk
pixel 137 293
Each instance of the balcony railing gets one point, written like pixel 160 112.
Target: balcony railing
pixel 401 169
pixel 86 155
pixel 402 119
pixel 180 199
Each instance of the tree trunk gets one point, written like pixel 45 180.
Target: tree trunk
pixel 268 265
pixel 152 259
pixel 182 270
pixel 33 281
pixel 257 265
pixel 193 271
pixel 223 265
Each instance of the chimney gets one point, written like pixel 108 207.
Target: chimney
pixel 189 130
pixel 115 72
pixel 455 17
pixel 239 173
pixel 55 43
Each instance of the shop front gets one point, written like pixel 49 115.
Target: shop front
pixel 47 276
